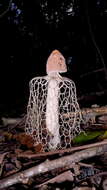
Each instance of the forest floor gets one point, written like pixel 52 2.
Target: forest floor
pixel 82 167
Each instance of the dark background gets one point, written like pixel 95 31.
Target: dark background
pixel 30 30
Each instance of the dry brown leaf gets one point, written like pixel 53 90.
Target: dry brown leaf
pixel 38 148
pixel 25 140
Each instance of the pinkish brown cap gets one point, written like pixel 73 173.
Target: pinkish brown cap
pixel 56 63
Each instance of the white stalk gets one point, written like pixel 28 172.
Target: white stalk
pixel 52 112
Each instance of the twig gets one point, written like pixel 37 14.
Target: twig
pixel 92 95
pixel 68 150
pixel 2 156
pixel 92 72
pixel 85 165
pixel 100 174
pixel 47 166
pixel 14 122
pixel 1 15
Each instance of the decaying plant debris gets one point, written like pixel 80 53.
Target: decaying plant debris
pixel 84 166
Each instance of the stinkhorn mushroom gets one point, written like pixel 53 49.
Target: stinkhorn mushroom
pixel 53 113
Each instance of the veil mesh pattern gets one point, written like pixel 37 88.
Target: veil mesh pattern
pixel 68 113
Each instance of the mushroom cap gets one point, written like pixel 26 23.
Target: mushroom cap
pixel 56 63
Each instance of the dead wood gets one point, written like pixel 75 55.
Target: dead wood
pixel 93 112
pixel 66 161
pixel 60 152
pixel 13 122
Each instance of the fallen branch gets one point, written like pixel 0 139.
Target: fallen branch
pixel 13 121
pixel 66 161
pixel 51 153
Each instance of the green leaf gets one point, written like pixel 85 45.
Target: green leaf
pixel 87 136
pixel 103 136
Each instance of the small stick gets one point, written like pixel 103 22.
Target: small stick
pixel 68 150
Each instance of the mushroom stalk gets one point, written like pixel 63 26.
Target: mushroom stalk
pixel 52 112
